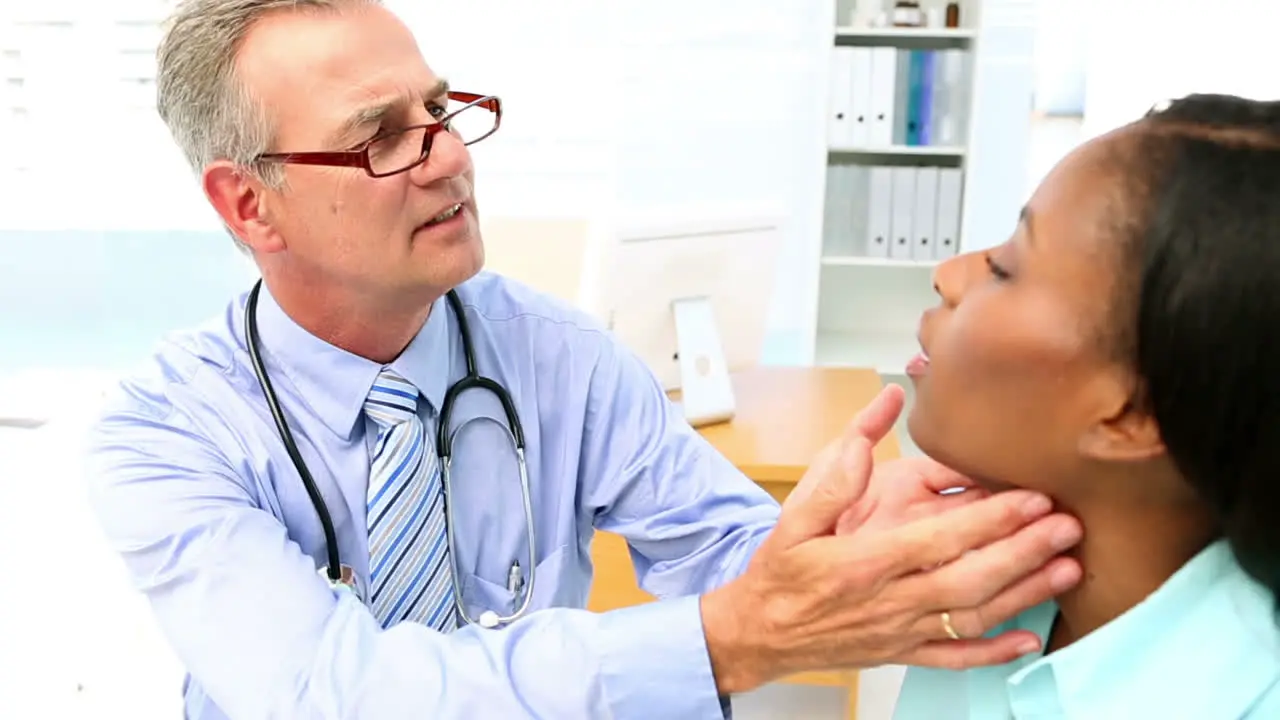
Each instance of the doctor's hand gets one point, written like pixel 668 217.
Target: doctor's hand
pixel 901 490
pixel 860 569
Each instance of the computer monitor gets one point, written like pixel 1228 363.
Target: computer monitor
pixel 691 298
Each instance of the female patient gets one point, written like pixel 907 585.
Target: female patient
pixel 1121 352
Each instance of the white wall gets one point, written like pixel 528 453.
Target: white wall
pixel 1146 51
pixel 82 144
pixel 550 62
pixel 1060 56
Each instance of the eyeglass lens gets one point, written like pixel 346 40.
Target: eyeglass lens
pixel 404 149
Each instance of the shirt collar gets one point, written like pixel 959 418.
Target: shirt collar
pixel 1208 632
pixel 333 382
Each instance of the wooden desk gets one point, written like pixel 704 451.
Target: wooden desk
pixel 785 416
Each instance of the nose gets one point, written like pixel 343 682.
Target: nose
pixel 950 278
pixel 448 158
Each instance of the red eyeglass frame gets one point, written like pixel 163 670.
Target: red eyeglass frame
pixel 359 157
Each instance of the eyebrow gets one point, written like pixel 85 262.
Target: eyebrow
pixel 1024 216
pixel 376 112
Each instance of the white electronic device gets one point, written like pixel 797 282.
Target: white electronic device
pixel 691 297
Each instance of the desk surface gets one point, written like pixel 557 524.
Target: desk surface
pixel 786 415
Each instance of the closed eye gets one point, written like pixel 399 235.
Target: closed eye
pixel 997 271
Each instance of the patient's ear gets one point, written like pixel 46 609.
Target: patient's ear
pixel 1125 431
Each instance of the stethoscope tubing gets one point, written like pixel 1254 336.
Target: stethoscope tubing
pixel 444 451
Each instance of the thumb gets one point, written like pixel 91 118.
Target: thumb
pixel 839 474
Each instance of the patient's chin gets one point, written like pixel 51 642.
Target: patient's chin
pixel 934 445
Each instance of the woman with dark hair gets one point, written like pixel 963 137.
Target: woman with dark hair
pixel 1121 353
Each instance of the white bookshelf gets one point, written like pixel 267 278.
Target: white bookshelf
pixel 869 303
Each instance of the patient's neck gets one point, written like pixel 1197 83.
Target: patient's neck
pixel 1133 542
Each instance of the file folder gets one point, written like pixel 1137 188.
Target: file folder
pixel 884 68
pixel 947 234
pixel 860 99
pixel 902 225
pixel 849 121
pixel 879 211
pixel 841 107
pixel 925 223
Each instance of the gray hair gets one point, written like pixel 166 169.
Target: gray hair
pixel 210 112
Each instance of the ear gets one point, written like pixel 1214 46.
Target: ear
pixel 241 201
pixel 1128 432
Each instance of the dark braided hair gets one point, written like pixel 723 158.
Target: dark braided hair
pixel 1201 287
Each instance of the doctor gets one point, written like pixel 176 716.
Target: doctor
pixel 275 480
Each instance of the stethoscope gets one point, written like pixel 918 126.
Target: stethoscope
pixel 340 575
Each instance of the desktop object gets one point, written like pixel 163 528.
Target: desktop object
pixel 692 299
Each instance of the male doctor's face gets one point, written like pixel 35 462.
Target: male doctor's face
pixel 337 227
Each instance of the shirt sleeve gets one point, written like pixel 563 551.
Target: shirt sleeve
pixel 266 637
pixel 692 520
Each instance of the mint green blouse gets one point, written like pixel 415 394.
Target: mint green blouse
pixel 1204 646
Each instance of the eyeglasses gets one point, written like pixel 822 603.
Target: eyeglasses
pixel 393 152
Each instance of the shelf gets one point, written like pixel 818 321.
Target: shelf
pixel 881 262
pixel 905 33
pixel 885 352
pixel 949 151
pixel 905 37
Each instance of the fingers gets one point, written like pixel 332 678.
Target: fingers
pixel 876 419
pixel 930 542
pixel 946 503
pixel 840 473
pixel 938 477
pixel 964 654
pixel 821 466
pixel 836 484
pixel 1044 583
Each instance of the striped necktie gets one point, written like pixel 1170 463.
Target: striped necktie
pixel 410 573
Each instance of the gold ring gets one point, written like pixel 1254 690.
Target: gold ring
pixel 946 625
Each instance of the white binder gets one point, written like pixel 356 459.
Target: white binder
pixel 950 106
pixel 926 213
pixel 901 97
pixel 860 102
pixel 856 208
pixel 879 211
pixel 840 109
pixel 831 219
pixel 845 221
pixel 884 69
pixel 947 235
pixel 902 226
pixel 848 123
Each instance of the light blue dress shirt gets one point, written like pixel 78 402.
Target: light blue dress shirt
pixel 1204 646
pixel 194 489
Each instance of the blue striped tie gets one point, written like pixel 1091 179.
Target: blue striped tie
pixel 408 551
